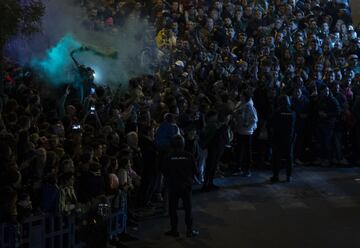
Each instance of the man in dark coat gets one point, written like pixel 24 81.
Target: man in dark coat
pixel 215 138
pixel 91 183
pixel 283 132
pixel 151 172
pixel 301 105
pixel 328 109
pixel 179 170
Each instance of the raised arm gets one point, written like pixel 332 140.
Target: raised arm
pixel 73 58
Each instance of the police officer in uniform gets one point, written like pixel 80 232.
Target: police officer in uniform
pixel 179 169
pixel 283 137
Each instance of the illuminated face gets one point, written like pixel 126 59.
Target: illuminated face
pixel 279 37
pixel 338 25
pixel 343 28
pixel 291 68
pixel 138 6
pixel 244 66
pixel 250 42
pixel 299 46
pixel 248 11
pixel 127 166
pixel 299 15
pixel 325 91
pixel 319 67
pixel 174 6
pixel 338 75
pixel 262 41
pixel 331 76
pixel 278 24
pixel 71 181
pixel 190 25
pixel 239 14
pixel 214 14
pixel 287 54
pixel 289 9
pixel 353 35
pixel 313 44
pixel 350 74
pixel 318 75
pixel 242 38
pixel 353 62
pixel 325 27
pixel 230 6
pixel 230 32
pixel 258 14
pixel 292 2
pixel 227 22
pixel 213 46
pixel 265 51
pixel 269 40
pixel 338 45
pixel 307 6
pixel 293 26
pixel 59 129
pixel 313 24
pixel 202 56
pixel 276 74
pixel 337 88
pixel 326 47
pixel 100 149
pixel 218 5
pixel 210 24
pixel 299 60
pixel 174 26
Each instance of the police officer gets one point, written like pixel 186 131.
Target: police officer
pixel 179 169
pixel 283 136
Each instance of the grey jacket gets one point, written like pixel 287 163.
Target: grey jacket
pixel 246 118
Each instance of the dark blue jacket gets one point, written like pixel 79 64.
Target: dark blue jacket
pixel 330 106
pixel 50 196
pixel 165 133
pixel 283 127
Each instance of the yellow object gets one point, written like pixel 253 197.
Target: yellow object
pixel 165 38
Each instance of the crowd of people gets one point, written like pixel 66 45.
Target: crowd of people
pixel 246 83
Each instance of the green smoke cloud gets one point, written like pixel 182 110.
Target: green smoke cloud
pixel 56 63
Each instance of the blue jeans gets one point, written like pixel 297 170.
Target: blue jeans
pixel 202 163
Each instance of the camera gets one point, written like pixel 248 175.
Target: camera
pixel 76 127
pixel 92 109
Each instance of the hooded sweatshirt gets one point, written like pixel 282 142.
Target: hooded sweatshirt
pixel 246 118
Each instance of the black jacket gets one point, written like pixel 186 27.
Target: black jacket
pixel 149 156
pixel 330 106
pixel 91 185
pixel 283 127
pixel 180 168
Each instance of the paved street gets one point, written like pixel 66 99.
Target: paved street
pixel 320 209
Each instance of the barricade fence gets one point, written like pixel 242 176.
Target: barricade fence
pixel 51 231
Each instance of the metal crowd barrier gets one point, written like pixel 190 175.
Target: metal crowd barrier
pixel 50 231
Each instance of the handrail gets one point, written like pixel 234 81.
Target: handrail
pixel 49 230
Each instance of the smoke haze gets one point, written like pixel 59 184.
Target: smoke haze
pixel 63 31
